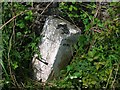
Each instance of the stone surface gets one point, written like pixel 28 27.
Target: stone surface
pixel 56 50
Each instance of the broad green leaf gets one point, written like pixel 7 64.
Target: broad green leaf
pixel 90 59
pixel 91 53
pixel 70 8
pixel 19 34
pixel 93 82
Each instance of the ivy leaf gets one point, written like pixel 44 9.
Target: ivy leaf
pixel 93 82
pixel 20 24
pixel 90 59
pixel 70 15
pixel 15 65
pixel 76 15
pixel 30 13
pixel 75 8
pixel 27 17
pixel 91 53
pixel 70 8
pixel 77 74
pixel 69 68
pixel 19 34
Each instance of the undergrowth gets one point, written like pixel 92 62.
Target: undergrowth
pixel 97 59
pixel 19 44
pixel 97 54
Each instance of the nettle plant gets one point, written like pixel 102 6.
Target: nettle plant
pixel 97 54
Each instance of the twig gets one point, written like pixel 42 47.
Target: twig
pixel 95 29
pixel 108 79
pixel 13 18
pixel 72 20
pixel 9 65
pixel 96 13
pixel 46 8
pixel 115 76
pixel 13 35
pixel 9 49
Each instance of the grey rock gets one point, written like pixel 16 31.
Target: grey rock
pixel 58 37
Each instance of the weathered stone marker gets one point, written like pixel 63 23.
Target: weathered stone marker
pixel 58 37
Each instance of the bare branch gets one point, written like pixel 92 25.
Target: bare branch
pixel 13 18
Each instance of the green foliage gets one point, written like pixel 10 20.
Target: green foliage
pixel 97 53
pixel 96 62
pixel 19 42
